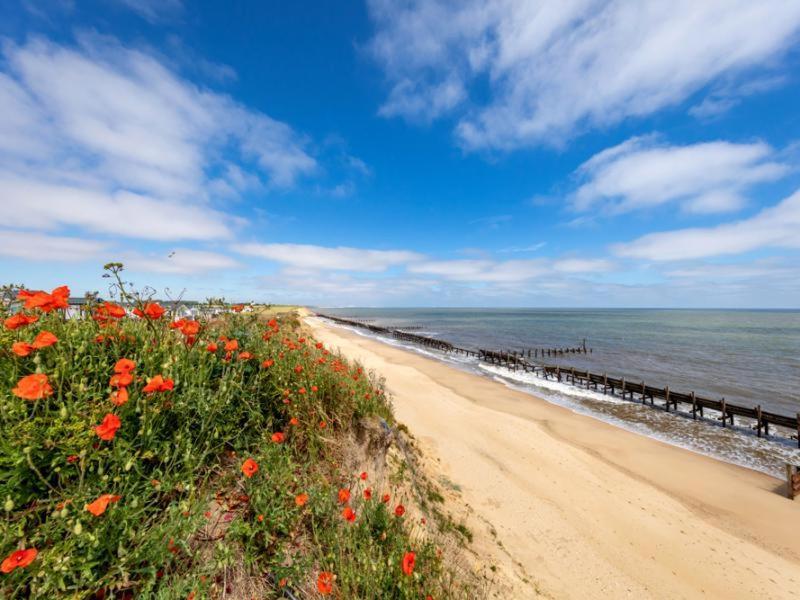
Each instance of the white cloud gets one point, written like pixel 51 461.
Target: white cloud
pixel 704 178
pixel 773 227
pixel 154 10
pixel 541 71
pixel 113 127
pixel 310 257
pixel 181 261
pixel 40 247
pixel 583 265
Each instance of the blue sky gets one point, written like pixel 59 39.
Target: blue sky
pixel 508 153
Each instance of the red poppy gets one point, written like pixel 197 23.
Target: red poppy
pixel 19 320
pixel 385 498
pixel 348 514
pixel 114 311
pixel 363 476
pixel 245 356
pixel 237 308
pixel 120 396
pixel 322 424
pixel 189 328
pixel 273 323
pixel 33 387
pixel 58 298
pixel 99 506
pixel 278 437
pixel 22 348
pixel 212 347
pixel 108 427
pixel 44 339
pixel 249 468
pixel 400 510
pixel 368 494
pixel 158 384
pixel 344 495
pixel 325 583
pixel 153 310
pixel 294 421
pixel 124 365
pixel 409 558
pixel 177 324
pixel 120 380
pixel 301 499
pixel 73 458
pixel 19 559
pixel 319 345
pixel 268 363
pixel 298 369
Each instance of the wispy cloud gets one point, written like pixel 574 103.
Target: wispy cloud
pixel 554 68
pixel 46 248
pixel 155 11
pixel 310 257
pixel 642 173
pixel 773 227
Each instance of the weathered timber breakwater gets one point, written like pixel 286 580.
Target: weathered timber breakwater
pixel 753 419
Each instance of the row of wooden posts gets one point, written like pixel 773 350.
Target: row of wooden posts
pixel 618 386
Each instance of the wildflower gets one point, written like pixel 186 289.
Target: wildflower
pixel 177 324
pixel 20 559
pixel 231 345
pixel 108 427
pixel 158 384
pixel 294 421
pixel 99 506
pixel 314 388
pixel 400 510
pixel 385 498
pixel 322 424
pixel 44 339
pixel 348 514
pixel 190 328
pixel 245 356
pixel 120 380
pixel 120 396
pixel 409 558
pixel 344 495
pixel 273 323
pixel 19 320
pixel 33 387
pixel 58 298
pixel 282 582
pixel 363 476
pixel 319 345
pixel 212 347
pixel 249 468
pixel 301 499
pixel 237 308
pixel 260 518
pixel 73 458
pixel 268 363
pixel 368 494
pixel 325 583
pixel 298 369
pixel 278 437
pixel 21 348
pixel 114 311
pixel 124 365
pixel 302 391
pixel 153 310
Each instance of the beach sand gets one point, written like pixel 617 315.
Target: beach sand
pixel 566 506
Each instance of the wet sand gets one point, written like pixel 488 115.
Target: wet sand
pixel 567 506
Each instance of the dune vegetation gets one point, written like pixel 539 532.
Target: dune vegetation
pixel 148 456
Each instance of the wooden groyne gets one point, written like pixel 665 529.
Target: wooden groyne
pixel 637 391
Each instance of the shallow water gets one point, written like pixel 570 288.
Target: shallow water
pixel 747 357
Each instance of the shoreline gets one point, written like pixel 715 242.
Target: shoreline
pixel 581 508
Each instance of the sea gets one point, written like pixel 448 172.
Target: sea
pixel 748 357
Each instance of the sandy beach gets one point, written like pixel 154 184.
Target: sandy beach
pixel 566 506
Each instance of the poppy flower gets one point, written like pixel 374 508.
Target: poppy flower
pixel 298 369
pixel 348 514
pixel 177 324
pixel 120 396
pixel 385 498
pixel 22 348
pixel 344 495
pixel 212 347
pixel 120 380
pixel 190 328
pixel 19 559
pixel 278 437
pixel 268 363
pixel 249 468
pixel 58 298
pixel 302 391
pixel 260 518
pixel 231 345
pixel 19 320
pixel 108 427
pixel 237 308
pixel 319 345
pixel 368 494
pixel 33 387
pixel 314 388
pixel 301 499
pixel 44 339
pixel 294 421
pixel 158 384
pixel 363 476
pixel 325 583
pixel 400 510
pixel 322 424
pixel 245 356
pixel 114 311
pixel 73 458
pixel 272 323
pixel 99 506
pixel 153 310
pixel 409 558
pixel 124 365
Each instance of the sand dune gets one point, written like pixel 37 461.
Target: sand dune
pixel 569 507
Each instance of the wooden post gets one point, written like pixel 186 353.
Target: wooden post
pixel 758 419
pixel 605 382
pixel 666 397
pixel 558 373
pixel 724 417
pixel 792 481
pixel 798 430
pixel 643 398
pixel 623 388
pixel 694 407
